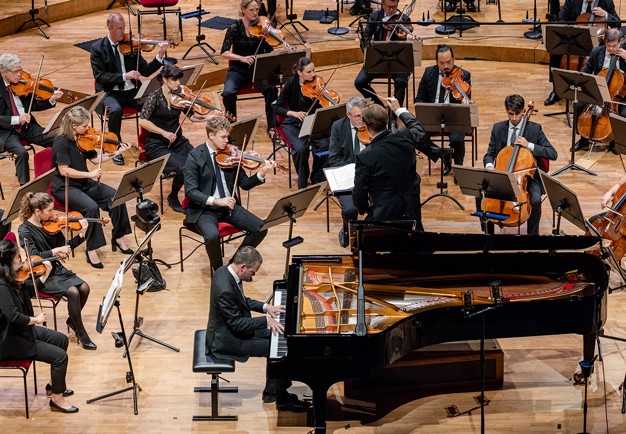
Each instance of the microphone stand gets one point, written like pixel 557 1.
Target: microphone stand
pixel 535 31
pixel 35 20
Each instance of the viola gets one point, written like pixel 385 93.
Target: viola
pixel 231 156
pixel 316 89
pixel 520 161
pixel 90 141
pixel 58 221
pixel 45 89
pixel 183 98
pixel 364 136
pixel 453 81
pixel 37 265
pixel 262 28
pixel 144 43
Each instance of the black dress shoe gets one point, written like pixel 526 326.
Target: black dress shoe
pixel 67 393
pixel 447 166
pixel 98 265
pixel 119 160
pixel 344 238
pixel 269 397
pixel 115 246
pixel 581 145
pixel 471 7
pixel 612 148
pixel 174 203
pixel 56 407
pixel 292 403
pixel 552 99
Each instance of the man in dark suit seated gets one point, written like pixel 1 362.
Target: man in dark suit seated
pixel 232 332
pixel 386 185
pixel 211 190
pixel 118 74
pixel 16 122
pixel 571 9
pixel 507 133
pixel 431 90
pixel 344 145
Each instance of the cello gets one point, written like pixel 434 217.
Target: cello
pixel 521 162
pixel 611 224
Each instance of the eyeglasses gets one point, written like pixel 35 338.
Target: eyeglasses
pixel 16 72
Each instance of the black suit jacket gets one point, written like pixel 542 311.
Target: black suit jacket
pixel 341 148
pixel 106 70
pixel 6 112
pixel 596 60
pixel 200 182
pixel 385 173
pixel 17 338
pixel 427 90
pixel 571 9
pixel 231 326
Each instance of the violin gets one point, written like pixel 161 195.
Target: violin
pixel 26 86
pixel 90 141
pixel 316 89
pixel 262 28
pixel 520 161
pixel 37 265
pixel 231 155
pixel 143 43
pixel 183 99
pixel 611 224
pixel 454 82
pixel 364 136
pixel 58 221
pixel 394 25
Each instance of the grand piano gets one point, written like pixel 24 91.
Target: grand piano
pixel 419 289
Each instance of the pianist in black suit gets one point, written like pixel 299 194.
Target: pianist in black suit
pixel 232 332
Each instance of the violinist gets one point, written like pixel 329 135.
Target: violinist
pixel 452 5
pixel 345 144
pixel 293 106
pixel 431 90
pixel 239 48
pixel 211 192
pixel 383 32
pixel 506 133
pixel 21 336
pixel 36 209
pixel 161 119
pixel 16 122
pixel 118 74
pixel 86 193
pixel 570 11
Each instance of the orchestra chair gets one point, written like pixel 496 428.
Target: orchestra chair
pixel 214 367
pixel 227 231
pixel 23 366
pixel 28 146
pixel 142 159
pixel 160 6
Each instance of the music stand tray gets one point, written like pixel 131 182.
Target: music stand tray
pixel 41 183
pixel 320 123
pixel 564 202
pixel 276 67
pixel 245 128
pixel 190 75
pixel 139 180
pixel 618 126
pixel 89 103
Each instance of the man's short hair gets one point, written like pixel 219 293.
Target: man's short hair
pixel 514 103
pixel 248 256
pixel 375 117
pixel 217 123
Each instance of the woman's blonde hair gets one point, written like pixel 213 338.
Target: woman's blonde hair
pixel 77 116
pixel 33 201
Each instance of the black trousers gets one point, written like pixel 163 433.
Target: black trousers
pixel 89 203
pixel 300 153
pixel 348 209
pixel 51 348
pixel 175 163
pixel 240 218
pixel 261 348
pixel 364 79
pixel 32 133
pixel 114 102
pixel 457 142
pixel 235 80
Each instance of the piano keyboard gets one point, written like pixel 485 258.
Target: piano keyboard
pixel 278 343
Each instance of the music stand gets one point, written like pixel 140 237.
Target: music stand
pixel 190 75
pixel 442 119
pixel 618 126
pixel 276 67
pixel 382 57
pixel 319 124
pixel 487 184
pixel 568 41
pixel 292 20
pixel 290 207
pixel 89 103
pixel 244 129
pixel 41 183
pixel 586 88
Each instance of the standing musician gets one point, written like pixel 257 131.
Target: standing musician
pixel 16 122
pixel 383 32
pixel 386 185
pixel 293 106
pixel 240 49
pixel 572 9
pixel 21 337
pixel 211 190
pixel 431 90
pixel 86 193
pixel 344 145
pixel 35 210
pixel 161 119
pixel 118 74
pixel 534 140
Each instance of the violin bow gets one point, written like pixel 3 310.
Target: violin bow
pixel 243 150
pixel 180 124
pixel 32 98
pixel 32 274
pixel 105 121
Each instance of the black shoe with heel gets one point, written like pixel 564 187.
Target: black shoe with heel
pixel 98 265
pixel 86 343
pixel 67 393
pixel 56 407
pixel 115 245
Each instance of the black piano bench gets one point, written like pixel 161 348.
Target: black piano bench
pixel 213 367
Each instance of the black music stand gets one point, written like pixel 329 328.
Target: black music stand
pixel 290 207
pixel 276 67
pixel 442 119
pixel 189 78
pixel 388 58
pixel 568 41
pixel 487 184
pixel 564 203
pixel 89 103
pixel 200 37
pixel 244 129
pixel 586 88
pixel 35 20
pixel 319 124
pixel 41 183
pixel 618 126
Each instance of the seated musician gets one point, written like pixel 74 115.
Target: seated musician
pixel 431 90
pixel 344 145
pixel 383 32
pixel 599 59
pixel 16 122
pixel 5 228
pixel 386 185
pixel 118 75
pixel 505 134
pixel 453 5
pixel 361 7
pixel 240 49
pixel 232 332
pixel 607 198
pixel 293 106
pixel 212 198
pixel 570 11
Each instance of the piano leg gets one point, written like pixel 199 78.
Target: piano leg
pixel 319 408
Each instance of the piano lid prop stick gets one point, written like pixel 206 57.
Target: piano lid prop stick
pixel 361 328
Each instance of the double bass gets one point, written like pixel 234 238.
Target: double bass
pixel 521 162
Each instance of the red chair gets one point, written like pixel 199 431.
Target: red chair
pixel 43 163
pixel 227 234
pixel 23 366
pixel 141 159
pixel 280 141
pixel 28 146
pixel 160 6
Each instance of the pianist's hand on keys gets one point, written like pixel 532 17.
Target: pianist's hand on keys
pixel 273 319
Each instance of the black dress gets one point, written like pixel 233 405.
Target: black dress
pixel 41 244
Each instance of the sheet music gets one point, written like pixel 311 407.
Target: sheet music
pixel 340 178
